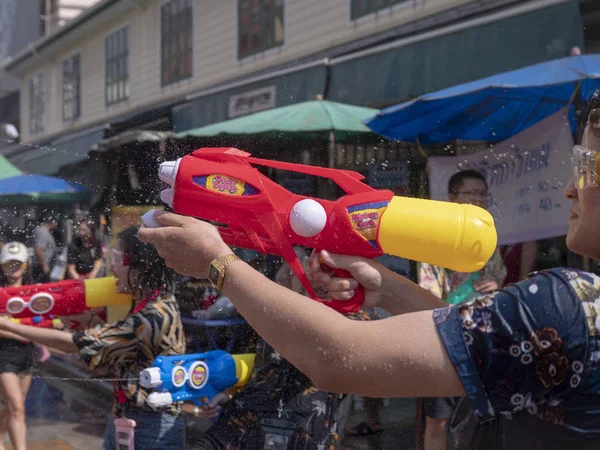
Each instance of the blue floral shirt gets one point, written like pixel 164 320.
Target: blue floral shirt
pixel 531 351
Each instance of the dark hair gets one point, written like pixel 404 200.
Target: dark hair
pixel 591 110
pixel 48 217
pixel 147 270
pixel 457 180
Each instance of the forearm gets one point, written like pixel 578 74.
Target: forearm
pixel 96 269
pixel 336 353
pixel 41 258
pixel 404 296
pixel 60 340
pixel 293 324
pixel 8 335
pixel 72 272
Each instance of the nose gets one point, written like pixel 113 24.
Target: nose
pixel 571 190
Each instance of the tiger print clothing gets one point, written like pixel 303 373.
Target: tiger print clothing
pixel 130 346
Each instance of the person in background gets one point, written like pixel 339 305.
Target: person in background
pixel 153 327
pixel 16 354
pixel 85 253
pixel 465 187
pixel 279 392
pixel 45 248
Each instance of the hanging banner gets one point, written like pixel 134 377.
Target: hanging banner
pixel 526 175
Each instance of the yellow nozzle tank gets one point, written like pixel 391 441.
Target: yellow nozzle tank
pixel 450 235
pixel 101 292
pixel 244 364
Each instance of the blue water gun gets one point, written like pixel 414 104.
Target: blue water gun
pixel 196 376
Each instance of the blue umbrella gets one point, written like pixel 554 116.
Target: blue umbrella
pixel 494 108
pixel 39 188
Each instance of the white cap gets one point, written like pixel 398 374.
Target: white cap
pixel 14 251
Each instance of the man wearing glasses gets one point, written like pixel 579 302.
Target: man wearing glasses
pixel 466 187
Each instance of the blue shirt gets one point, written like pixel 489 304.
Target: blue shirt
pixel 530 353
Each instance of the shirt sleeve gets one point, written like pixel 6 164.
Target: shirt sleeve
pixel 110 344
pixel 523 347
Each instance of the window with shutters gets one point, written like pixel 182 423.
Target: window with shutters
pixel 176 21
pixel 116 51
pixel 261 26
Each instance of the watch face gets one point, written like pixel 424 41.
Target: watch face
pixel 213 275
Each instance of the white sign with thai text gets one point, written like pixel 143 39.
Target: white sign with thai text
pixel 526 175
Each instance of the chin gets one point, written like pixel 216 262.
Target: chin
pixel 582 246
pixel 573 242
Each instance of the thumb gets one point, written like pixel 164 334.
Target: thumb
pixel 218 399
pixel 169 219
pixel 337 261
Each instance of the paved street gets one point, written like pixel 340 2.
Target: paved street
pixel 70 415
pixel 64 416
pixel 398 420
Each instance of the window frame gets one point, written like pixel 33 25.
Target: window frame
pixel 275 47
pixel 77 97
pixel 36 124
pixel 162 44
pixel 375 12
pixel 122 57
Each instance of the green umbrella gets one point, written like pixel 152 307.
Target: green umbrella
pixel 316 119
pixel 7 170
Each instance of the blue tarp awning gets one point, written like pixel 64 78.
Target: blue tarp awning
pixel 493 108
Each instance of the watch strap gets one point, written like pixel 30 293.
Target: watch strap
pixel 220 264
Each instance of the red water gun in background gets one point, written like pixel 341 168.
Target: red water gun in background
pixel 38 321
pixel 222 185
pixel 62 298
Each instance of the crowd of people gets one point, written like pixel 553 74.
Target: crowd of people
pixel 511 362
pixel 40 263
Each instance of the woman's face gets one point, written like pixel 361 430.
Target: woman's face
pixel 119 270
pixel 14 269
pixel 582 237
pixel 84 231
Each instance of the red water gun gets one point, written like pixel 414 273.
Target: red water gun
pixel 62 298
pixel 38 321
pixel 222 185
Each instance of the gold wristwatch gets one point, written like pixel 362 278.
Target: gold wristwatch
pixel 216 271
